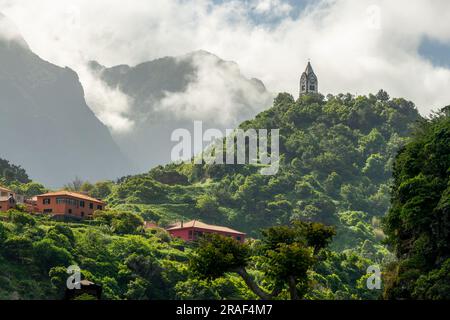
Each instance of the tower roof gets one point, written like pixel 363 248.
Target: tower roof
pixel 309 70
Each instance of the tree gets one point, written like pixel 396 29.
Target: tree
pixel 32 189
pixel 48 255
pixel 207 206
pixel 418 222
pixel 3 233
pixel 17 248
pixel 21 219
pixel 74 185
pixel 286 254
pixel 121 222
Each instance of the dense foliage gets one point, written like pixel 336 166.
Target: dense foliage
pixel 285 256
pixel 336 159
pixel 113 250
pixel 16 178
pixel 418 223
pixel 335 168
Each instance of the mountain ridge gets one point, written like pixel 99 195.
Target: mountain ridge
pixel 46 125
pixel 170 92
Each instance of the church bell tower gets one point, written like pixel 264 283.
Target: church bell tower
pixel 308 81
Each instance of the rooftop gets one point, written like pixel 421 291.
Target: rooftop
pixel 3 189
pixel 202 225
pixel 70 194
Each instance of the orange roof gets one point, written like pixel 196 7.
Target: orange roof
pixel 201 225
pixel 70 194
pixel 4 189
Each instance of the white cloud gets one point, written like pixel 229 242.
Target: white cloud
pixel 356 46
pixel 272 7
pixel 110 105
pixel 8 31
pixel 217 94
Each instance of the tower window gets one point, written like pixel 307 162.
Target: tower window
pixel 312 87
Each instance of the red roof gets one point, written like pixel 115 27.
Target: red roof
pixel 70 194
pixel 201 225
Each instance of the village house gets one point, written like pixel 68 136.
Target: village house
pixel 68 204
pixel 193 230
pixel 7 199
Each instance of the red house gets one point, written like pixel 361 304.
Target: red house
pixel 192 230
pixel 68 203
pixel 7 199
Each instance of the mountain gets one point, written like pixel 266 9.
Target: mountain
pixel 171 92
pixel 46 126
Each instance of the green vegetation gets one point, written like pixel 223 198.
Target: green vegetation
pixel 284 256
pixel 16 178
pixel 337 157
pixel 418 223
pixel 112 250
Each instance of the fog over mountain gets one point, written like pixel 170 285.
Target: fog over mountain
pixel 45 123
pixel 170 93
pixel 48 128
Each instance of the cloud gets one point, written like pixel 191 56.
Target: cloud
pixel 217 94
pixel 356 46
pixel 110 105
pixel 8 31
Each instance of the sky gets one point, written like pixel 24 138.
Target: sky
pixel 355 46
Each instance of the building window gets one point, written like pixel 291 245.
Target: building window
pixel 312 87
pixel 238 238
pixel 81 204
pixel 303 88
pixel 91 206
pixel 82 214
pixel 46 201
pixel 48 210
pixel 99 207
pixel 190 234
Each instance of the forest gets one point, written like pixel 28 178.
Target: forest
pixel 363 181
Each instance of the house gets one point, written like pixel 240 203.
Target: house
pixel 86 288
pixel 68 203
pixel 7 199
pixel 193 230
pixel 4 192
pixel 7 203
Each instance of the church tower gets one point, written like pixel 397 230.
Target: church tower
pixel 308 81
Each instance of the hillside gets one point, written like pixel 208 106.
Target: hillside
pixel 45 124
pixel 337 156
